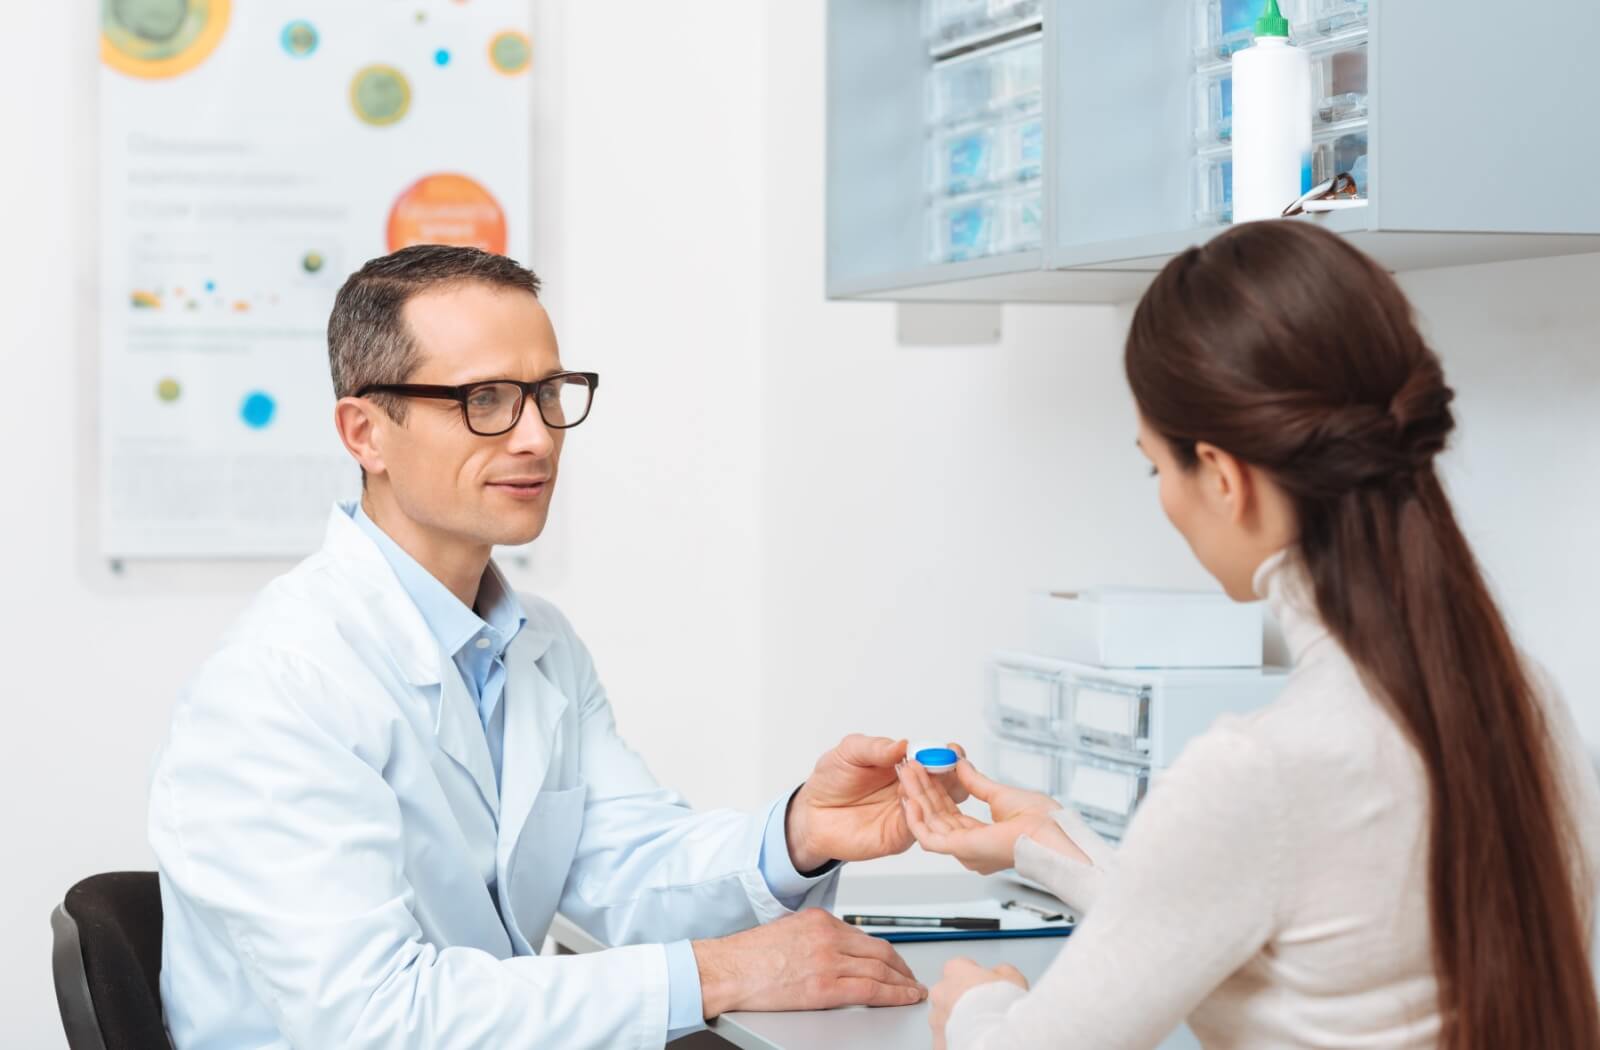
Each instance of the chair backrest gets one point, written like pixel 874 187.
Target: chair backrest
pixel 107 963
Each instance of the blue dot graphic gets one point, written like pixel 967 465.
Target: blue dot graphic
pixel 258 409
pixel 442 57
pixel 211 286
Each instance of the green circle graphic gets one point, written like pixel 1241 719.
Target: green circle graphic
pixel 380 95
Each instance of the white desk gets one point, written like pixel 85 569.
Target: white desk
pixel 860 1028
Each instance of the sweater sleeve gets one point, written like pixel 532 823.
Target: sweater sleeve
pixel 1196 896
pixel 1076 883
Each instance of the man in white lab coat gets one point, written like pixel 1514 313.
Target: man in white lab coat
pixel 394 770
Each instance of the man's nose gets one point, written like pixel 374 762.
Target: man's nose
pixel 530 435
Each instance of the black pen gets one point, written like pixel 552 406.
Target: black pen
pixel 923 920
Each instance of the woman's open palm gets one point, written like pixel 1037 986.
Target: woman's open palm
pixel 939 827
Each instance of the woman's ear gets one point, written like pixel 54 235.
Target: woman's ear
pixel 1225 484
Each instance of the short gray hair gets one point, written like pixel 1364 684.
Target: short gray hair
pixel 368 338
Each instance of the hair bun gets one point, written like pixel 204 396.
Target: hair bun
pixel 1420 411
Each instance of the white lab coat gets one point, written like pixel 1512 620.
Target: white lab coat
pixel 324 821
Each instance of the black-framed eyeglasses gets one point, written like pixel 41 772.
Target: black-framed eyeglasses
pixel 494 406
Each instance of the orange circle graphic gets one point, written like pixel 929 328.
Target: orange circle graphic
pixel 447 209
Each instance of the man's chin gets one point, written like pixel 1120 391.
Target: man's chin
pixel 516 529
pixel 517 537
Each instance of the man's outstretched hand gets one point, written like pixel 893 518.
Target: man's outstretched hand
pixel 849 808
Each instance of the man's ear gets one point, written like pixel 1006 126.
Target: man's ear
pixel 362 427
pixel 1225 484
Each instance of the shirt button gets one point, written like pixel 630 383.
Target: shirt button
pixel 483 643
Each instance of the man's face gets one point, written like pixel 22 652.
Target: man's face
pixel 455 484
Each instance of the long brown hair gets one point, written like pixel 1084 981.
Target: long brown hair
pixel 1290 349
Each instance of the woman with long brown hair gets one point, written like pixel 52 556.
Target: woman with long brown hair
pixel 1403 849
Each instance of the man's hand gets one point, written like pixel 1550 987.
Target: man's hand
pixel 960 977
pixel 849 808
pixel 806 961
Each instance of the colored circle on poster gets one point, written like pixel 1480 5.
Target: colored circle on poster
pixel 299 38
pixel 447 209
pixel 441 57
pixel 380 95
pixel 169 390
pixel 312 262
pixel 258 409
pixel 510 52
pixel 154 39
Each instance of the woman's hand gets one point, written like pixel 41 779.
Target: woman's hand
pixel 939 827
pixel 960 976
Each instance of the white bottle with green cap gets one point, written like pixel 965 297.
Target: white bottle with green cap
pixel 1271 121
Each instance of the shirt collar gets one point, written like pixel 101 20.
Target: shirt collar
pixel 452 623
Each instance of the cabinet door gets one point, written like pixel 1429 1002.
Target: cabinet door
pixel 1486 115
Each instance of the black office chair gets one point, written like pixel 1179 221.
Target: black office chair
pixel 107 963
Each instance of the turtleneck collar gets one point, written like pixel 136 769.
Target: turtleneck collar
pixel 1286 588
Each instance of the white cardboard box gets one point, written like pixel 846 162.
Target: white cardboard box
pixel 1138 627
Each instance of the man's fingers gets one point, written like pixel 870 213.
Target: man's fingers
pixel 1011 973
pixel 859 750
pixel 866 946
pixel 859 991
pixel 874 970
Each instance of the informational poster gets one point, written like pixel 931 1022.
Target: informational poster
pixel 253 154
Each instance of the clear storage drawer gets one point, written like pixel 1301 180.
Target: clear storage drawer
pixel 987 156
pixel 990 85
pixel 1213 187
pixel 1023 764
pixel 1109 717
pixel 1224 26
pixel 1024 701
pixel 1339 83
pixel 986 224
pixel 1337 16
pixel 953 21
pixel 1104 793
pixel 1342 149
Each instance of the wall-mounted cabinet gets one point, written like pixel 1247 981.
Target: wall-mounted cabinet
pixel 1063 150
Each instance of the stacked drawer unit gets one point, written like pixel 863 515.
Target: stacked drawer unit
pixel 1334 33
pixel 985 127
pixel 1098 738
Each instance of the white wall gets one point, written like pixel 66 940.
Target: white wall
pixel 828 537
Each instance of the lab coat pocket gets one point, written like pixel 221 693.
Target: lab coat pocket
pixel 538 866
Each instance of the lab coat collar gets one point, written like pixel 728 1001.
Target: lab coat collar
pixel 352 554
pixel 1286 587
pixel 410 640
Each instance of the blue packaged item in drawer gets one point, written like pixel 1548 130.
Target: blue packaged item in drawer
pixel 968 161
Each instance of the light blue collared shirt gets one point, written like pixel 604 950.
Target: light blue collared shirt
pixel 477 642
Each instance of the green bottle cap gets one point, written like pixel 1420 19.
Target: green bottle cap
pixel 1272 22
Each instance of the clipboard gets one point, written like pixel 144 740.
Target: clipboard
pixel 1013 922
